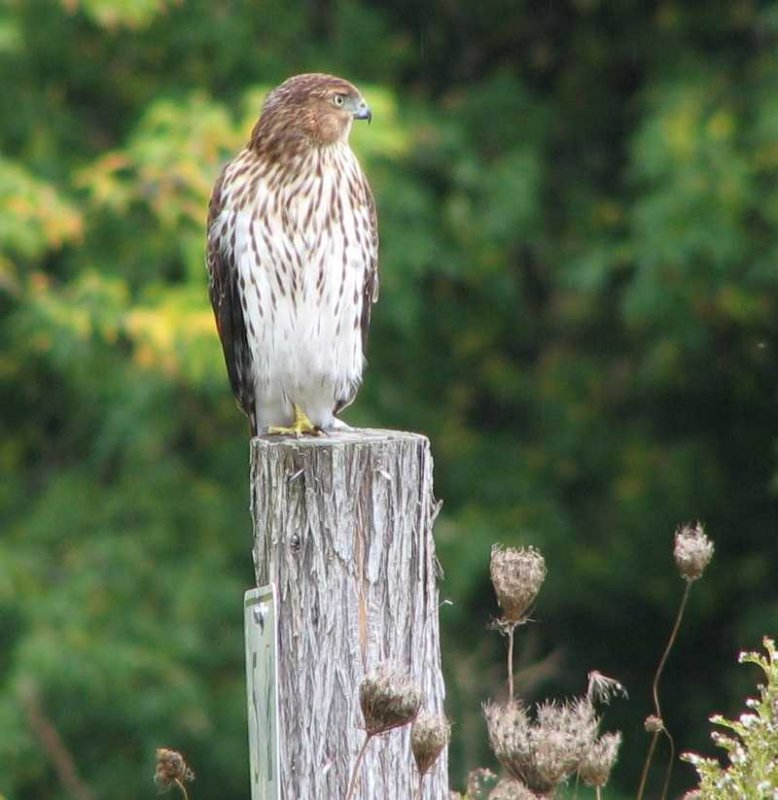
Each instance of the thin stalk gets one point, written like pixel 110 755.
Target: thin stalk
pixel 647 764
pixel 669 764
pixel 352 785
pixel 182 788
pixel 510 663
pixel 598 791
pixel 670 643
pixel 419 786
pixel 655 694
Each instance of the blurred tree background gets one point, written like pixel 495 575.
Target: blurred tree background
pixel 578 204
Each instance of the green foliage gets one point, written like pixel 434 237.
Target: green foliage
pixel 119 13
pixel 33 216
pixel 579 305
pixel 750 741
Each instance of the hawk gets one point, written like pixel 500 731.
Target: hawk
pixel 292 259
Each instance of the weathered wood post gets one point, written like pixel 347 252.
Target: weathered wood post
pixel 343 534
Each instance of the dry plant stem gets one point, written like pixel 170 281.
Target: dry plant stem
pixel 598 791
pixel 655 693
pixel 510 662
pixel 183 789
pixel 352 784
pixel 50 740
pixel 669 769
pixel 420 787
pixel 647 764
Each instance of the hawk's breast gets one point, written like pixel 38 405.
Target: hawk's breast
pixel 302 243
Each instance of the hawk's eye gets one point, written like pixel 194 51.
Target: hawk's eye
pixel 339 100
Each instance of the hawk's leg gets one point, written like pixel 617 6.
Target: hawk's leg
pixel 300 425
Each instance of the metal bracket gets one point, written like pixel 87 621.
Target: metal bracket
pixel 260 625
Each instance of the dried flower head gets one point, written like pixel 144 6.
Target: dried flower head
pixel 429 735
pixel 509 789
pixel 544 753
pixel 653 724
pixel 389 698
pixel 693 551
pixel 599 759
pixel 565 732
pixel 172 770
pixel 509 729
pixel 480 782
pixel 603 689
pixel 517 575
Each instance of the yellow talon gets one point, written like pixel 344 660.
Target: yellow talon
pixel 299 427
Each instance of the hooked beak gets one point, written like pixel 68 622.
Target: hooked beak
pixel 363 112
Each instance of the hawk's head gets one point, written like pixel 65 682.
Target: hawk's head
pixel 314 109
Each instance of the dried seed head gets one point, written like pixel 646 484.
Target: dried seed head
pixel 693 551
pixel 565 732
pixel 653 724
pixel 389 698
pixel 429 735
pixel 509 789
pixel 541 754
pixel 603 689
pixel 510 731
pixel 171 769
pixel 599 759
pixel 517 575
pixel 479 783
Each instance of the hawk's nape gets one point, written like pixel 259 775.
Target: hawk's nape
pixel 292 259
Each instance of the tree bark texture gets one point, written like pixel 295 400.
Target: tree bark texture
pixel 343 528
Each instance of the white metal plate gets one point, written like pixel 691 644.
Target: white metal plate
pixel 260 624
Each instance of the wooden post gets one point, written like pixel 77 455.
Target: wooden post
pixel 343 531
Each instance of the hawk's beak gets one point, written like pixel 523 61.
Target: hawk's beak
pixel 363 112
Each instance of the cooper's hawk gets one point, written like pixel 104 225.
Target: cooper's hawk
pixel 292 259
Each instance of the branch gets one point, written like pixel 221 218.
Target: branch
pixel 51 742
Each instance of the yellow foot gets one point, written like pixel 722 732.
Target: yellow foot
pixel 300 426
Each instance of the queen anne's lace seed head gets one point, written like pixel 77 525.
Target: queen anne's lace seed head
pixel 480 782
pixel 566 731
pixel 171 769
pixel 603 689
pixel 693 551
pixel 599 759
pixel 544 753
pixel 429 735
pixel 510 736
pixel 389 698
pixel 653 724
pixel 517 575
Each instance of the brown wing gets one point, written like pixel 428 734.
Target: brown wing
pixel 224 291
pixel 370 286
pixel 367 222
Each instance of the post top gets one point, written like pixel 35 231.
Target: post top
pixel 335 438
